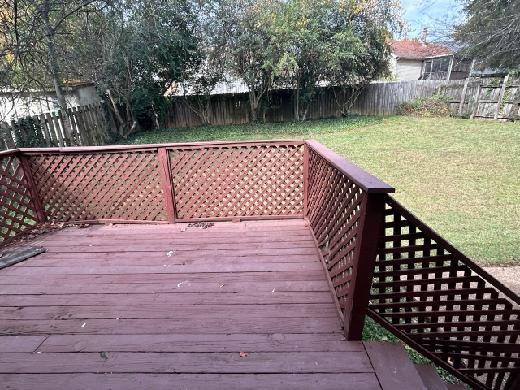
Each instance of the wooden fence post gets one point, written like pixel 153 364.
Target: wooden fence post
pixel 475 110
pixel 363 265
pixel 501 96
pixel 36 201
pixel 464 89
pixel 166 183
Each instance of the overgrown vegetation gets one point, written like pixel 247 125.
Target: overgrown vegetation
pixel 490 32
pixel 461 177
pixel 436 105
pixel 136 51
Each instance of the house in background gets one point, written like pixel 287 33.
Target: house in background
pixel 414 59
pixel 14 104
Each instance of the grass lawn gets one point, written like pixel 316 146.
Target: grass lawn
pixel 461 177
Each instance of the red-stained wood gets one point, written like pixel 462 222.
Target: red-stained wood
pixel 162 260
pixel 393 368
pixel 363 266
pixel 159 311
pixel 166 183
pixel 163 278
pixel 272 342
pixel 430 377
pixel 20 343
pixel 162 269
pixel 176 298
pixel 185 285
pixel 236 323
pixel 365 180
pixel 117 148
pixel 305 180
pixel 301 247
pixel 254 362
pixel 33 191
pixel 97 304
pixel 329 381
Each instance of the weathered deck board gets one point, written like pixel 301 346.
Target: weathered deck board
pixel 70 287
pixel 234 323
pixel 273 342
pixel 20 343
pixel 177 298
pixel 139 311
pixel 189 363
pixel 165 279
pixel 236 305
pixel 348 381
pixel 160 269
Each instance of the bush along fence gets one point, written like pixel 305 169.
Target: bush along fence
pixel 80 126
pixel 380 260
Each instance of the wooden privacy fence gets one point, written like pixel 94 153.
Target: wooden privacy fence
pixel 83 125
pixel 477 98
pixel 379 259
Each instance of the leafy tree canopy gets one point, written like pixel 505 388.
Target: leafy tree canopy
pixel 492 32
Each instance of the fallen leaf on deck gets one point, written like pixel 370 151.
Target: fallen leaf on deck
pixel 183 283
pixel 243 354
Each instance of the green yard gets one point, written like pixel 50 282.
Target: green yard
pixel 462 177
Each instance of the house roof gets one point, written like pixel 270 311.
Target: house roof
pixel 418 50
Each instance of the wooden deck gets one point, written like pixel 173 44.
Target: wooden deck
pixel 234 305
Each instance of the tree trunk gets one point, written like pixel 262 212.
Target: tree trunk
pixel 53 68
pixel 253 102
pixel 52 65
pixel 120 122
pixel 297 102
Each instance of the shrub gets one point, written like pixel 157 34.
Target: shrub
pixel 436 105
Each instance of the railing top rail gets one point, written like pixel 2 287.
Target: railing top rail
pixel 461 256
pixel 365 180
pixel 116 148
pixel 9 152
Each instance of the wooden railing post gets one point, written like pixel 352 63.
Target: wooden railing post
pixel 372 226
pixel 305 180
pixel 39 209
pixel 166 183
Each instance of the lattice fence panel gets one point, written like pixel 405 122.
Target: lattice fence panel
pixel 99 185
pixel 335 208
pixel 238 181
pixel 16 209
pixel 449 307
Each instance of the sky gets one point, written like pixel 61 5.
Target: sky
pixel 436 15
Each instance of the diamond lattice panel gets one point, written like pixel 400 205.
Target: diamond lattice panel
pixel 238 181
pixel 16 210
pixel 95 186
pixel 428 291
pixel 334 212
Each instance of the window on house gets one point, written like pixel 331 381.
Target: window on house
pixel 436 68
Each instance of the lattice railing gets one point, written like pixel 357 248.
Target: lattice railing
pixel 443 304
pixel 242 180
pixel 17 211
pixel 335 211
pixel 379 258
pixel 342 205
pixel 151 183
pixel 98 186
